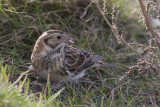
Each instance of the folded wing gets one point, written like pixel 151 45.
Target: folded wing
pixel 77 60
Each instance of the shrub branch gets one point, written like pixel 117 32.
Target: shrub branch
pixel 149 25
pixel 115 30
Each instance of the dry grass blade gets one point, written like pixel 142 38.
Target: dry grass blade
pixel 24 73
pixel 86 9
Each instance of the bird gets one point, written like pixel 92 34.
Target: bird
pixel 55 58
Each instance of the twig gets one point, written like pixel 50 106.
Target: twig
pixel 114 30
pixel 149 25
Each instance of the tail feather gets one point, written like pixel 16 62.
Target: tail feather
pixel 104 64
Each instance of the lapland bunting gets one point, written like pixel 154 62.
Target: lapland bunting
pixel 55 58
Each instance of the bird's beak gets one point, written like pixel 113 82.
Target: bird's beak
pixel 69 40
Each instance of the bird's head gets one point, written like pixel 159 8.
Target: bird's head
pixel 49 40
pixel 53 38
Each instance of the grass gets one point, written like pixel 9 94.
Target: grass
pixel 11 95
pixel 22 22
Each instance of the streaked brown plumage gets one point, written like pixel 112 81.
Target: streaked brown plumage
pixel 53 55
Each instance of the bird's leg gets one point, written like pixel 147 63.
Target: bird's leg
pixel 43 83
pixel 40 82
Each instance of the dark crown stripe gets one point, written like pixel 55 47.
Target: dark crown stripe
pixel 55 31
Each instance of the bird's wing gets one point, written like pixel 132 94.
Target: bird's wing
pixel 77 60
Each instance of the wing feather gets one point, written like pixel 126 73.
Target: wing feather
pixel 77 60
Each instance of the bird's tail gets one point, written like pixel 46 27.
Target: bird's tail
pixel 104 64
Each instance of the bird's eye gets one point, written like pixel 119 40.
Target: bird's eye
pixel 58 37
